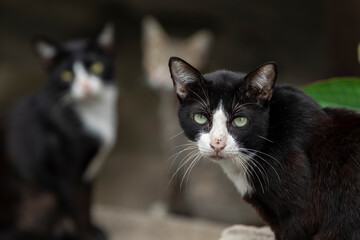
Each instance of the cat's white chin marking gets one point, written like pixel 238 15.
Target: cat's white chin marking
pixel 232 161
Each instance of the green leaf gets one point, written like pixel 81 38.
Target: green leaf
pixel 336 92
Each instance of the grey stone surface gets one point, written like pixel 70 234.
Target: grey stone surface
pixel 240 232
pixel 122 224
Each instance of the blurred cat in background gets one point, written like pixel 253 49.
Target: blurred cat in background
pixel 208 195
pixel 157 47
pixel 57 139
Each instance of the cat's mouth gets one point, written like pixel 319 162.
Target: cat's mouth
pixel 217 157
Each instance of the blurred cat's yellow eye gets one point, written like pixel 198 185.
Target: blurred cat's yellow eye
pixel 96 68
pixel 240 121
pixel 200 119
pixel 67 76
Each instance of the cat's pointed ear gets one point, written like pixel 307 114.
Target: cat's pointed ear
pixel 106 38
pixel 199 44
pixel 152 31
pixel 46 50
pixel 259 84
pixel 184 76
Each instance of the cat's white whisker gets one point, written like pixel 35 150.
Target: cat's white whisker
pixel 202 106
pixel 257 176
pixel 262 172
pixel 179 168
pixel 186 159
pixel 178 134
pixel 265 154
pixel 199 157
pixel 270 166
pixel 265 138
pixel 189 155
pixel 263 159
pixel 180 152
pixel 242 164
pixel 206 96
pixel 188 170
pixel 182 145
pixel 238 107
pixel 201 100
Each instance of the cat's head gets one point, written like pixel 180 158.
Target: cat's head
pixel 158 46
pixel 79 69
pixel 225 113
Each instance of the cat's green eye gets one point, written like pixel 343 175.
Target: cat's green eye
pixel 96 68
pixel 240 121
pixel 67 76
pixel 200 119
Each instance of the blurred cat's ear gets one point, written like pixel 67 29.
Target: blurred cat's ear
pixel 260 83
pixel 46 50
pixel 184 76
pixel 152 31
pixel 199 44
pixel 106 38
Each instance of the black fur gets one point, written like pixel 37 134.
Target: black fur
pixel 46 149
pixel 311 157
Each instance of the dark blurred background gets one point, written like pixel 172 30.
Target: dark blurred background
pixel 310 40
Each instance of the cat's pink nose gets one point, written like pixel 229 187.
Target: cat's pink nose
pixel 87 89
pixel 218 145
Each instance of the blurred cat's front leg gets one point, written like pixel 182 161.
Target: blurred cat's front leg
pixel 83 217
pixel 79 208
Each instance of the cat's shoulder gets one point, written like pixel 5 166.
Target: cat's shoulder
pixel 31 110
pixel 343 118
pixel 288 96
pixel 31 103
pixel 287 90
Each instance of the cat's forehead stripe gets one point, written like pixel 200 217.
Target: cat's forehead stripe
pixel 219 117
pixel 219 110
pixel 79 68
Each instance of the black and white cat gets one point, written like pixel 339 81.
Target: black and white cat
pixel 58 138
pixel 297 163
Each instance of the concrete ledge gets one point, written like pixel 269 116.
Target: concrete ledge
pixel 120 224
pixel 123 223
pixel 240 232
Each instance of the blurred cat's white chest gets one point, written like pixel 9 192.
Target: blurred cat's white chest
pixel 99 115
pixel 100 119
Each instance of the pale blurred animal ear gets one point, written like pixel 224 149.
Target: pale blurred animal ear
pixel 260 83
pixel 46 50
pixel 185 77
pixel 199 45
pixel 153 32
pixel 106 38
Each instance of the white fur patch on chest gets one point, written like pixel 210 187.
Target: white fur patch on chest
pixel 99 117
pixel 237 176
